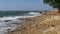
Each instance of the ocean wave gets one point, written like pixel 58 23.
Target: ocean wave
pixel 13 24
pixel 29 15
pixel 34 14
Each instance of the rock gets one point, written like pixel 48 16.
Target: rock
pixel 29 19
pixel 7 20
pixel 1 16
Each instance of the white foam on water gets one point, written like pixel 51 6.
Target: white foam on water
pixel 13 24
pixel 9 26
pixel 29 15
pixel 34 13
pixel 13 18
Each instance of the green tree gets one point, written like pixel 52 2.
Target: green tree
pixel 53 3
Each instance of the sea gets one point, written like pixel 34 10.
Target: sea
pixel 9 22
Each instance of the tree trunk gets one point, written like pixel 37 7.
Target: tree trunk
pixel 59 10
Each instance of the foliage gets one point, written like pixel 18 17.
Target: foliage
pixel 53 3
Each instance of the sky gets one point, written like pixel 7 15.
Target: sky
pixel 24 5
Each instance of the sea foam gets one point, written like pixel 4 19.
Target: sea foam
pixel 13 24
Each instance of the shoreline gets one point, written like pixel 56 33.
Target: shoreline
pixel 35 25
pixel 10 22
pixel 31 20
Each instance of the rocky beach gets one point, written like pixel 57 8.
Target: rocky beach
pixel 15 19
pixel 29 16
pixel 45 24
